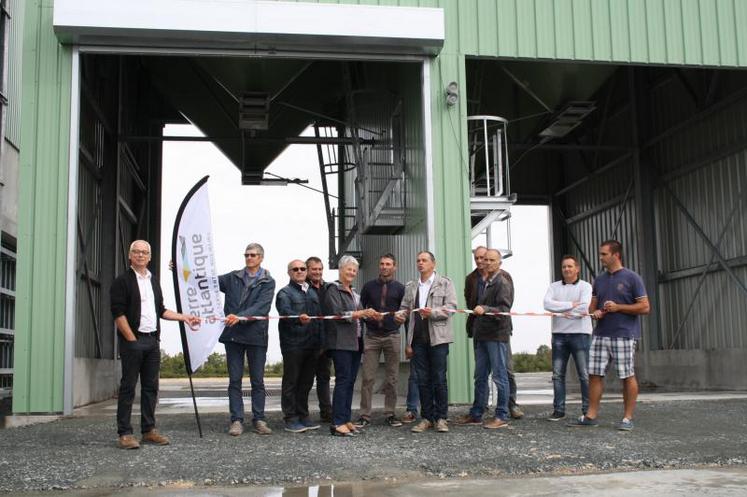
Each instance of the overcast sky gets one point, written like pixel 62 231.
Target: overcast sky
pixel 289 222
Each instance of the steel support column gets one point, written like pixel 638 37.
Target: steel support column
pixel 644 176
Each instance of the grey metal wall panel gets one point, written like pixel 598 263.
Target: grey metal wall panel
pixel 15 46
pixel 704 165
pixel 616 221
pixel 413 238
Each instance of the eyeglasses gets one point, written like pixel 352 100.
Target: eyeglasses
pixel 251 255
pixel 140 252
pixel 297 269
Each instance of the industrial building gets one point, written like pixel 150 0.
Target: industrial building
pixel 432 117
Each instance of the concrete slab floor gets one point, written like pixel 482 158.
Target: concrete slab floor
pixel 708 482
pixel 533 389
pixel 673 430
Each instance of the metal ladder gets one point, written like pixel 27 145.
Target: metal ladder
pixel 490 185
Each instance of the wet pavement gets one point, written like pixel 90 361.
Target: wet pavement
pixel 718 482
pixel 702 430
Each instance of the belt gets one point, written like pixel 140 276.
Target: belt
pixel 143 334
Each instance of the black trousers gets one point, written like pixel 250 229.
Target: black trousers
pixel 323 392
pixel 140 358
pixel 298 377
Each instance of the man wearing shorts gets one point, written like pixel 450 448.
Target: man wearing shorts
pixel 618 298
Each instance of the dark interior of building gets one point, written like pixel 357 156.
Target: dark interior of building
pixel 651 156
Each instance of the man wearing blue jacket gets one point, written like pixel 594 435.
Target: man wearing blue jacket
pixel 248 292
pixel 299 343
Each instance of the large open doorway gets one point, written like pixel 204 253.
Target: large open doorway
pixel 653 157
pixel 361 124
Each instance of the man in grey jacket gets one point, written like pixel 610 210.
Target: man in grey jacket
pixel 429 333
pixel 491 335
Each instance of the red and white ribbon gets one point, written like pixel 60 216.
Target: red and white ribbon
pixel 453 311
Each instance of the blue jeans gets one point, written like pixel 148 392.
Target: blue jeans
pixel 255 357
pixel 430 365
pixel 413 396
pixel 346 364
pixel 565 345
pixel 490 357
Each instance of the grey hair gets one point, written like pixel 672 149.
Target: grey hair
pixel 347 260
pixel 132 245
pixel 290 264
pixel 497 252
pixel 481 247
pixel 257 247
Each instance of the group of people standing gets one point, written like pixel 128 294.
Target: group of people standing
pixel 368 325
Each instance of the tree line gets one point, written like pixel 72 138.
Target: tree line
pixel 215 366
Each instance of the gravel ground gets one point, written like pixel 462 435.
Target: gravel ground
pixel 82 452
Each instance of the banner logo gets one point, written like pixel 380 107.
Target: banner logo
pixel 195 279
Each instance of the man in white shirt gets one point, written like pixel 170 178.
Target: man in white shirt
pixel 429 333
pixel 136 306
pixel 571 333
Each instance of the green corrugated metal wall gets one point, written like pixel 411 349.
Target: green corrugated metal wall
pixel 692 32
pixel 43 178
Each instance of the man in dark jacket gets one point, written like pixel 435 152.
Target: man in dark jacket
pixel 384 294
pixel 136 306
pixel 490 335
pixel 248 293
pixel 314 277
pixel 474 284
pixel 299 343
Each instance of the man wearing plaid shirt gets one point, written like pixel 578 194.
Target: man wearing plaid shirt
pixel 618 298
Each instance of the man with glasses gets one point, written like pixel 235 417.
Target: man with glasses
pixel 299 344
pixel 248 292
pixel 136 306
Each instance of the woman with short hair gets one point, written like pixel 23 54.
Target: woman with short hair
pixel 344 343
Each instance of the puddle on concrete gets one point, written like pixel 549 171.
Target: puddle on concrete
pixel 713 482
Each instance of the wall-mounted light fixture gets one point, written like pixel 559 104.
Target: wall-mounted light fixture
pixel 452 93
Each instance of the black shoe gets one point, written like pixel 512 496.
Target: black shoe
pixel 325 417
pixel 393 421
pixel 362 422
pixel 556 416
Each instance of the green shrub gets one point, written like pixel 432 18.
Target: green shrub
pixel 214 367
pixel 533 363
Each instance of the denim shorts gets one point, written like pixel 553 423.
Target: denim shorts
pixel 604 350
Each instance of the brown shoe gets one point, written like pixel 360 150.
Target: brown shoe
pixel 153 437
pixel 341 431
pixel 262 428
pixel 128 442
pixel 442 426
pixel 516 413
pixel 409 417
pixel 494 424
pixel 467 419
pixel 236 428
pixel 422 426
